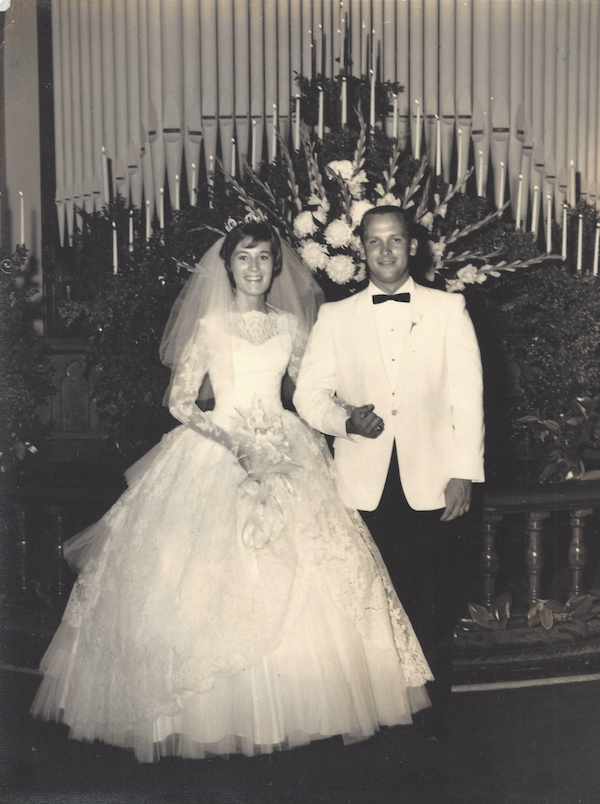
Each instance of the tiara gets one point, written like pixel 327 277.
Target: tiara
pixel 250 217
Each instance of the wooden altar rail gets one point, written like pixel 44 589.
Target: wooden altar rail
pixel 579 498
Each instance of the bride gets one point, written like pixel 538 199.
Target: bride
pixel 229 602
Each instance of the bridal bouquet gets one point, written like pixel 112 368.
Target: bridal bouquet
pixel 260 513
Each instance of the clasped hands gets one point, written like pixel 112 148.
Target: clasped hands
pixel 365 422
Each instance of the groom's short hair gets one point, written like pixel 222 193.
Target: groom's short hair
pixel 376 212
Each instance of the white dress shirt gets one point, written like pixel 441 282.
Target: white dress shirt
pixel 392 320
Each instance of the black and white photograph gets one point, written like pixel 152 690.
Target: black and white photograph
pixel 299 401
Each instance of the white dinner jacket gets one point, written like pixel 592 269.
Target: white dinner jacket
pixel 434 412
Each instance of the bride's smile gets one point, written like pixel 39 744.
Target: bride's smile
pixel 252 272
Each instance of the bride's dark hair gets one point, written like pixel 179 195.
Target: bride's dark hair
pixel 258 232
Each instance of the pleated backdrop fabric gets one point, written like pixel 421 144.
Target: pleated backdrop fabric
pixel 152 87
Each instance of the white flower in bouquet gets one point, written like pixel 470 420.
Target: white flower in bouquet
pixel 441 210
pixel 341 269
pixel 355 243
pixel 361 274
pixel 343 167
pixel 388 200
pixel 427 220
pixel 313 255
pixel 356 184
pixel 304 224
pixel 469 274
pixel 322 207
pixel 454 285
pixel 358 209
pixel 338 234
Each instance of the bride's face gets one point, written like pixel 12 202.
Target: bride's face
pixel 252 268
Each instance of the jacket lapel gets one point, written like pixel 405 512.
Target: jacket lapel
pixel 418 309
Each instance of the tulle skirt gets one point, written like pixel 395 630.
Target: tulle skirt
pixel 181 639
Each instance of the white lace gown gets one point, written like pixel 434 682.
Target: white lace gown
pixel 185 636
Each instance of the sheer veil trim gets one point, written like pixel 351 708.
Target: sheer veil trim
pixel 208 293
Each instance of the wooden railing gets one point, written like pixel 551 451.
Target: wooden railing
pixel 537 503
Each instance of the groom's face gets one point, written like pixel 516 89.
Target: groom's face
pixel 386 249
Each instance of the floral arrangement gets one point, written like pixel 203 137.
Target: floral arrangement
pixel 260 515
pixel 322 219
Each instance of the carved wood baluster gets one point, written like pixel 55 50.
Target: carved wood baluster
pixel 577 548
pixel 534 556
pixel 488 563
pixel 59 536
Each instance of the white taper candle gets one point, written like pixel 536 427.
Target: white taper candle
pixel 275 125
pixel 297 125
pixel 596 249
pixel 148 221
pixel 22 217
pixel 105 191
pixel 320 127
pixel 193 187
pixel 564 233
pixel 418 137
pixel 502 183
pixel 459 170
pixel 549 223
pixel 372 104
pixel 580 245
pixel 395 122
pixel 438 147
pixel 161 210
pixel 519 201
pixel 233 157
pixel 480 176
pixel 344 102
pixel 130 230
pixel 535 214
pixel 177 192
pixel 115 250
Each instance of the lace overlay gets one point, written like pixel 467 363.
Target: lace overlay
pixel 176 625
pixel 255 327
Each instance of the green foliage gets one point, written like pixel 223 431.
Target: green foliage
pixel 24 367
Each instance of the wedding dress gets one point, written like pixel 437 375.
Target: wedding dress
pixel 216 614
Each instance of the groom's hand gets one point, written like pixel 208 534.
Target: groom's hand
pixel 458 498
pixel 365 422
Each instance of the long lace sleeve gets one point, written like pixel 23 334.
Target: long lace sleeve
pixel 299 340
pixel 190 372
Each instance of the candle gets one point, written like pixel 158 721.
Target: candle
pixel 297 125
pixel 115 250
pixel 210 179
pixel 363 51
pixel 564 233
pixel 535 214
pixel 580 245
pixel 275 123
pixel 22 216
pixel 320 126
pixel 572 199
pixel 193 191
pixel 254 164
pixel 459 171
pixel 105 176
pixel 148 221
pixel 596 249
pixel 395 123
pixel 372 109
pixel 177 196
pixel 130 230
pixel 418 132
pixel 161 209
pixel 549 223
pixel 344 103
pixel 502 183
pixel 480 176
pixel 233 157
pixel 519 200
pixel 438 147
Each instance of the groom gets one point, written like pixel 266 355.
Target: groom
pixel 394 373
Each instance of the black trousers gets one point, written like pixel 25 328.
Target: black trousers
pixel 418 552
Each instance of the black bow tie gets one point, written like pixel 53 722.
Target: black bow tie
pixel 379 298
